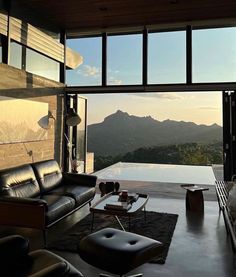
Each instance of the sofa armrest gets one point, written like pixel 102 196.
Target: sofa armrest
pixel 23 200
pixel 23 212
pixel 55 270
pixel 14 251
pixel 13 248
pixel 79 179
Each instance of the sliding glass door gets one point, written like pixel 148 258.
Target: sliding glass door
pixel 76 136
pixel 81 136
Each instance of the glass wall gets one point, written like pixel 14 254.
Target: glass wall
pixel 16 55
pixel 90 72
pixel 214 55
pixel 124 59
pixel 42 65
pixel 81 134
pixel 213 58
pixel 24 58
pixel 167 57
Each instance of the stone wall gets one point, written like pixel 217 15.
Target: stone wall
pixel 20 84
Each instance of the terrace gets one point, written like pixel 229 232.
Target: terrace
pixel 161 179
pixel 39 57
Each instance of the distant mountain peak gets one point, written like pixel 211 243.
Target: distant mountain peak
pixel 120 112
pixel 120 115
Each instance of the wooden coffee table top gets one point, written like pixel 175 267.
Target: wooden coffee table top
pixel 99 207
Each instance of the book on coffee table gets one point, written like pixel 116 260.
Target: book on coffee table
pixel 118 205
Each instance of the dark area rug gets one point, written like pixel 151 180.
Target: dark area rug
pixel 158 226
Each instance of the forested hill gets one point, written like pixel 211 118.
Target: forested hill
pixel 120 133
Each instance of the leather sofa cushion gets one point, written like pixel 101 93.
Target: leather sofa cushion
pixel 48 174
pixel 19 182
pixel 57 206
pixel 81 194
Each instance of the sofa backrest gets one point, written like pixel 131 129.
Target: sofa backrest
pixel 19 182
pixel 48 174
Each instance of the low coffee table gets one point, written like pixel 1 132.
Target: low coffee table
pixel 138 205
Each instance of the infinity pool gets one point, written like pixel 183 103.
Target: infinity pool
pixel 167 173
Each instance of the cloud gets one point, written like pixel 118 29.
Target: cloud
pixel 165 96
pixel 113 81
pixel 169 96
pixel 208 108
pixel 109 70
pixel 88 70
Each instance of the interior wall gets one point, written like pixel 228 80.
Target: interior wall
pixel 20 84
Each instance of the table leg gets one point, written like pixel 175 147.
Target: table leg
pixel 92 222
pixel 145 215
pixel 122 227
pixel 194 201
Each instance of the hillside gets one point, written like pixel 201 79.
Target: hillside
pixel 120 133
pixel 188 153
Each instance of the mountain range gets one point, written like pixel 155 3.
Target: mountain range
pixel 120 133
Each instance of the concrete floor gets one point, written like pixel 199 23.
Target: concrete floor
pixel 199 247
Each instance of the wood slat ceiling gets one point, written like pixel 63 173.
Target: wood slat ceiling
pixel 85 15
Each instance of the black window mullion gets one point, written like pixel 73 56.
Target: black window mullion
pixel 63 65
pixel 104 59
pixel 189 55
pixel 23 57
pixel 6 40
pixel 145 57
pixel 227 142
pixel 5 48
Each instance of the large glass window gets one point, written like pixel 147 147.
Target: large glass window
pixel 42 65
pixel 90 72
pixel 124 59
pixel 167 57
pixel 81 135
pixel 16 55
pixel 214 55
pixel 33 62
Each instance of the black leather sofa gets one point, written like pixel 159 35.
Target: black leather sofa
pixel 38 195
pixel 17 261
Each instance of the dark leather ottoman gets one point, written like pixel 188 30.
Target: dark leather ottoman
pixel 117 251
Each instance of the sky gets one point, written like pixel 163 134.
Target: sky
pixel 201 108
pixel 213 58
